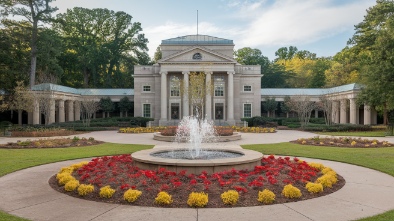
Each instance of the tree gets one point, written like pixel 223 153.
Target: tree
pixel 249 56
pixel 89 106
pixel 196 92
pixel 158 55
pixel 302 105
pixel 107 105
pixel 22 100
pixel 270 106
pixel 34 11
pixel 104 43
pixel 273 75
pixel 325 105
pixel 3 104
pixel 373 43
pixel 125 105
pixel 285 106
pixel 285 53
pixel 14 53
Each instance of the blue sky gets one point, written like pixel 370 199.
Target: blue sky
pixel 320 26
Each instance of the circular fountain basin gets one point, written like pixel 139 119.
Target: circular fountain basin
pixel 235 136
pixel 246 159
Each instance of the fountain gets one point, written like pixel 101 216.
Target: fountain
pixel 195 152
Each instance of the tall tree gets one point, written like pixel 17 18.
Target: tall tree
pixel 158 55
pixel 373 42
pixel 285 53
pixel 273 75
pixel 103 42
pixel 34 11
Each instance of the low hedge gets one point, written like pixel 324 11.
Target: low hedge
pixel 337 127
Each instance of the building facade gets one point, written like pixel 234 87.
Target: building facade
pixel 159 89
pixel 236 88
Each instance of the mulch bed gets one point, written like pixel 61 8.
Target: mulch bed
pixel 51 143
pixel 347 142
pixel 122 175
pixel 45 133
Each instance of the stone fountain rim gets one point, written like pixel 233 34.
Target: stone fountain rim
pixel 247 157
pixel 234 137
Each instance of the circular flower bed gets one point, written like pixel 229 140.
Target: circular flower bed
pixel 343 142
pixel 116 180
pixel 52 143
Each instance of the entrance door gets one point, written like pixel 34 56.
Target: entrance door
pixel 175 111
pixel 219 111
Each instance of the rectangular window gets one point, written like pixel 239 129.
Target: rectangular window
pixel 219 90
pixel 247 110
pixel 146 88
pixel 146 110
pixel 218 86
pixel 174 91
pixel 247 88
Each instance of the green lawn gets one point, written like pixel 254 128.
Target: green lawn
pixel 381 159
pixel 378 133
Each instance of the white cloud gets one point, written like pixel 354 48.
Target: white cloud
pixel 293 22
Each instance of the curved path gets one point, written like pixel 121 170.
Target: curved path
pixel 367 192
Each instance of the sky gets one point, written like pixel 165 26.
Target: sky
pixel 319 26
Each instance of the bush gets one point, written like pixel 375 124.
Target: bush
pixel 337 127
pixel 71 185
pixel 328 179
pixel 163 198
pixel 131 195
pixel 85 189
pixel 314 187
pixel 289 191
pixel 106 192
pixel 317 166
pixel 266 196
pixel 64 178
pixel 230 197
pixel 197 199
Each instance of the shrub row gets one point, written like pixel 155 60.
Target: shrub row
pixel 258 121
pixel 337 127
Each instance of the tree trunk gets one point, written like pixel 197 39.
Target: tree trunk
pixel 109 73
pixel 85 77
pixel 33 45
pixel 385 115
pixel 19 117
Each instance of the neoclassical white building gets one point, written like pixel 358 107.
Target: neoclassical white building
pixel 236 90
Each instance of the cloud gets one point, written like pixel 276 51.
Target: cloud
pixel 293 22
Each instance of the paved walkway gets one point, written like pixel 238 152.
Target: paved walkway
pixel 367 192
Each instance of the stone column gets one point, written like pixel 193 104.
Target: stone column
pixel 374 116
pixel 61 111
pixel 367 115
pixel 70 110
pixel 230 98
pixel 36 113
pixel 163 115
pixel 185 98
pixel 52 111
pixel 30 118
pixel 343 111
pixel 208 97
pixel 316 113
pixel 77 110
pixel 335 112
pixel 353 111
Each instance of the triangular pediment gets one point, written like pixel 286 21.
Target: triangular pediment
pixel 197 54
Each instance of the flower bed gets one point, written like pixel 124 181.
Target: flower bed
pixel 138 130
pixel 343 142
pixel 254 129
pixel 52 143
pixel 277 180
pixel 44 133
